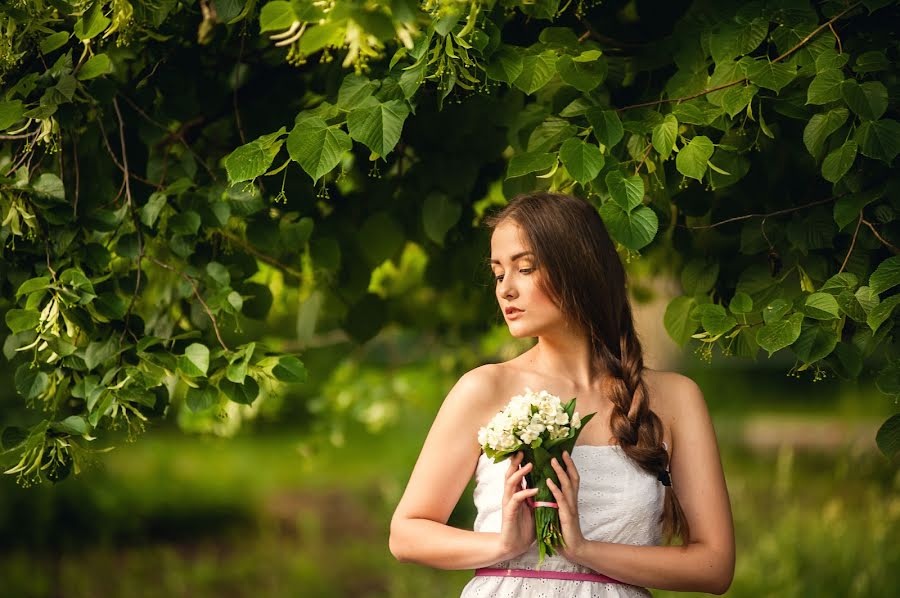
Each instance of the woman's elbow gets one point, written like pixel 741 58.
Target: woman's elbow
pixel 396 545
pixel 722 581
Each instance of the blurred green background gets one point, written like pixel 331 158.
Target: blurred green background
pixel 298 502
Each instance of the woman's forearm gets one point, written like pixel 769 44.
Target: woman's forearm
pixel 694 567
pixel 428 542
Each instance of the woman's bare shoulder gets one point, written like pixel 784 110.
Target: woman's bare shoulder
pixel 669 391
pixel 482 387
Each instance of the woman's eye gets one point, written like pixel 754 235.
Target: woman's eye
pixel 499 277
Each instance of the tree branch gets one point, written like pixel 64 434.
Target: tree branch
pixel 197 294
pixel 879 237
pixel 134 218
pixel 748 216
pixel 799 45
pixel 852 243
pixel 255 252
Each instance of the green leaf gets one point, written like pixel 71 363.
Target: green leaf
pixel 243 394
pixel 32 285
pixel 664 136
pixel 354 90
pixel 838 162
pixel 195 360
pixel 505 64
pixel 779 334
pixel 677 319
pixel 439 215
pixel 871 62
pixel 771 75
pixel 741 303
pixel 882 312
pixel 583 76
pixel 582 160
pixel 537 70
pixel 821 306
pixel 522 164
pixel 53 42
pixel 13 436
pixel 10 113
pixel 634 229
pixel 886 276
pixel 20 320
pixel 820 127
pixel 628 193
pixel 97 65
pixel 888 436
pixel 30 382
pixel 253 159
pixel 50 185
pixel 868 100
pixel 228 11
pixel 816 341
pixel 879 139
pixel 150 210
pixel 699 275
pixel 74 425
pixel 691 160
pixel 202 398
pixel 830 60
pixel 92 23
pixel 290 369
pixel 607 126
pixel 736 98
pixel 378 126
pixel 716 320
pixel 317 147
pixel 98 352
pixel 276 15
pixel 825 87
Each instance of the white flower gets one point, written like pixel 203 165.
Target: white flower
pixel 576 420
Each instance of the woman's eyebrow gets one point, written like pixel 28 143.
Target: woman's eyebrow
pixel 519 255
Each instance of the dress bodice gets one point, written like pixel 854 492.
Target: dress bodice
pixel 618 502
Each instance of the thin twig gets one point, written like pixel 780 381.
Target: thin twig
pixel 234 95
pixel 137 225
pixel 799 45
pixel 879 237
pixel 748 216
pixel 179 134
pixel 193 284
pixel 646 153
pixel 837 37
pixel 852 243
pixel 116 160
pixel 11 137
pixel 77 175
pixel 255 252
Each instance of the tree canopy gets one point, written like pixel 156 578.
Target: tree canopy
pixel 171 170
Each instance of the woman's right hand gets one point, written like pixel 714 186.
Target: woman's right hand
pixel 517 529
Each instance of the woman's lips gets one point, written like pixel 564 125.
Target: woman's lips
pixel 514 314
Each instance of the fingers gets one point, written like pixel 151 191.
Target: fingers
pixel 570 467
pixel 515 476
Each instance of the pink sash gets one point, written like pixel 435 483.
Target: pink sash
pixel 571 575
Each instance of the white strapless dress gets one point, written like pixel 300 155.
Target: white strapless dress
pixel 617 502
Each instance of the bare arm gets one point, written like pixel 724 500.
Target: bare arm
pixel 706 564
pixel 419 530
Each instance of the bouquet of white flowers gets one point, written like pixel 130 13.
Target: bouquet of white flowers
pixel 540 426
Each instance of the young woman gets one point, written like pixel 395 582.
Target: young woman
pixel 645 468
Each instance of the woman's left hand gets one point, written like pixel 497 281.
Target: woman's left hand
pixel 567 498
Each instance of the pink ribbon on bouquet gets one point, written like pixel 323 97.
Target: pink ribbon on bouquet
pixel 537 503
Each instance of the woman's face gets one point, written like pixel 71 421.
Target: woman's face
pixel 517 284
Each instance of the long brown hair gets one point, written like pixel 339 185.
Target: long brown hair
pixel 582 273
